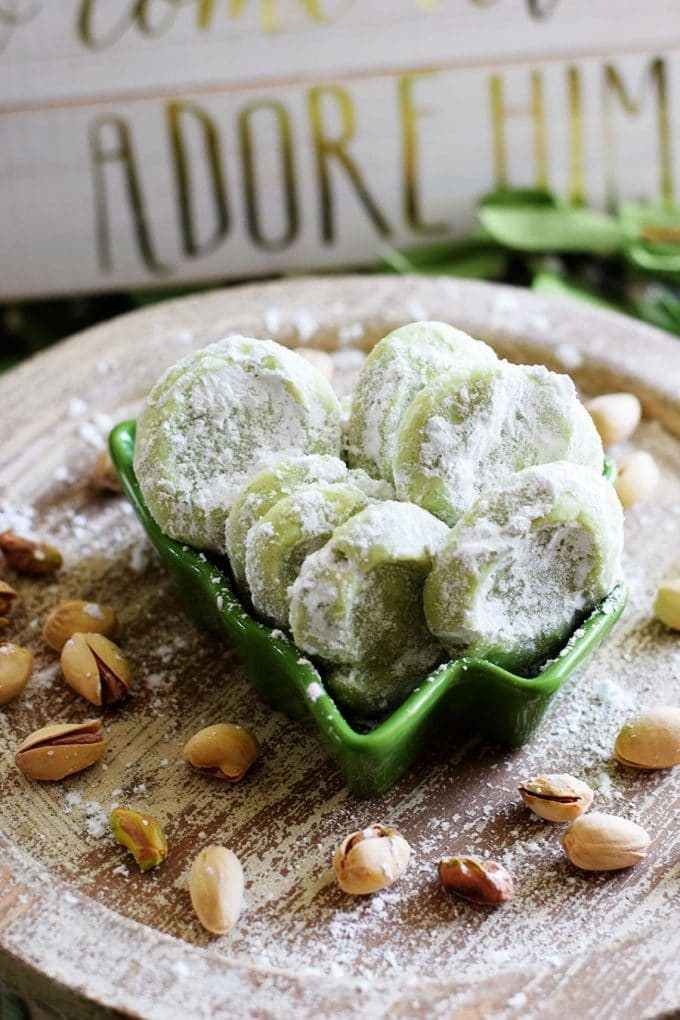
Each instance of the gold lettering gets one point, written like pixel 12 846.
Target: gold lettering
pixel 329 149
pixel 410 114
pixel 121 152
pixel 577 189
pixel 613 86
pixel 500 113
pixel 270 19
pixel 140 13
pixel 176 111
pixel 252 189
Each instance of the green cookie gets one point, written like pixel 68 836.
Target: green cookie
pixel 218 417
pixel 525 563
pixel 369 690
pixel 293 528
pixel 469 430
pixel 398 367
pixel 359 598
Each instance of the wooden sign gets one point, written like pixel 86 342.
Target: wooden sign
pixel 152 142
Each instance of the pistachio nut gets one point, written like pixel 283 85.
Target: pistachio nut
pixel 225 751
pixel 7 598
pixel 54 752
pixel 638 477
pixel 216 888
pixel 371 859
pixel 599 842
pixel 557 798
pixel 96 668
pixel 667 603
pixel 321 360
pixel 616 416
pixel 650 740
pixel 16 666
pixel 142 835
pixel 487 883
pixel 27 557
pixel 78 617
pixel 103 477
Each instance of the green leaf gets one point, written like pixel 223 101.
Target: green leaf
pixel 474 256
pixel 522 197
pixel 545 282
pixel 568 228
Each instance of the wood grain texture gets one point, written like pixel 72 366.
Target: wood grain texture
pixel 82 930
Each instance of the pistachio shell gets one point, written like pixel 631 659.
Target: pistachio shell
pixel 78 617
pixel 225 751
pixel 616 416
pixel 16 666
pixel 27 557
pixel 96 668
pixel 371 859
pixel 216 888
pixel 650 740
pixel 667 603
pixel 638 477
pixel 601 842
pixel 56 751
pixel 557 798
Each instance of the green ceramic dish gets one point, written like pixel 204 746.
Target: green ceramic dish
pixel 468 696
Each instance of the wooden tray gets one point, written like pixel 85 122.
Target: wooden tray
pixel 82 931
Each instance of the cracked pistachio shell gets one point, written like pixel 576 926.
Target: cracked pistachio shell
pixel 216 888
pixel 557 798
pixel 16 666
pixel 96 668
pixel 600 842
pixel 142 835
pixel 650 740
pixel 371 859
pixel 56 751
pixel 225 751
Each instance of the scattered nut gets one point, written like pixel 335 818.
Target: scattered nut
pixel 225 751
pixel 103 477
pixel 558 798
pixel 616 416
pixel 16 666
pixel 54 752
pixel 599 842
pixel 638 476
pixel 216 888
pixel 322 361
pixel 77 617
pixel 651 740
pixel 371 859
pixel 487 883
pixel 96 668
pixel 8 597
pixel 667 603
pixel 27 557
pixel 142 835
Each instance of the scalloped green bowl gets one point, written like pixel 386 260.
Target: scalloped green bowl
pixel 468 696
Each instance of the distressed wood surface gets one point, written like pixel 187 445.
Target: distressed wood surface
pixel 83 931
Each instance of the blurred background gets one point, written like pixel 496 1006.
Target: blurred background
pixel 150 148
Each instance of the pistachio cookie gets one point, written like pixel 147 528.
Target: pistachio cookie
pixel 218 417
pixel 398 367
pixel 358 600
pixel 525 564
pixel 371 689
pixel 470 429
pixel 280 541
pixel 284 478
